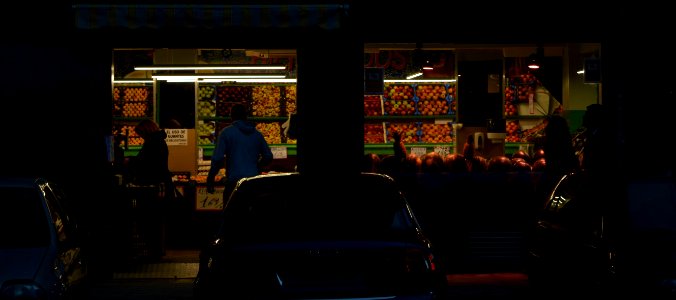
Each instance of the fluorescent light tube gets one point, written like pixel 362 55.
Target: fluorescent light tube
pixel 197 77
pixel 419 80
pixel 210 67
pixel 133 81
pixel 414 75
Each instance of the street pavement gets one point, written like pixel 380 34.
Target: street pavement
pixel 171 279
pixel 503 286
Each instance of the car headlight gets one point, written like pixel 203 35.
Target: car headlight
pixel 24 289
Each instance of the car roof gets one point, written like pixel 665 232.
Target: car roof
pixel 363 176
pixel 346 188
pixel 27 182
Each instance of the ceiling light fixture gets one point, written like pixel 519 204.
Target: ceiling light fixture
pixel 533 62
pixel 419 80
pixel 535 59
pixel 133 81
pixel 264 80
pixel 427 65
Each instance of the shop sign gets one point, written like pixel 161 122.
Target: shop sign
pixel 278 152
pixel 592 70
pixel 206 201
pixel 177 137
pixel 373 81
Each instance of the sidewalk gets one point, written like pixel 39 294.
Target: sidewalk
pixel 171 279
pixel 175 264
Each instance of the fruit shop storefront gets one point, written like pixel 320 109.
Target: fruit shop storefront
pixel 434 111
pixel 274 40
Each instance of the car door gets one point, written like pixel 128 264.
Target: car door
pixel 570 229
pixel 69 243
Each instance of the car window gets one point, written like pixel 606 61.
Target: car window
pixel 59 217
pixel 573 206
pixel 23 219
pixel 285 213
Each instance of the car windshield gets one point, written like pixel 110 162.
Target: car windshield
pixel 274 212
pixel 23 222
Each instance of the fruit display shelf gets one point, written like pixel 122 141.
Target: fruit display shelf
pixel 388 148
pixel 206 109
pixel 132 101
pixel 399 100
pixel 434 133
pixel 419 99
pixel 410 132
pixel 373 105
pixel 434 99
pixel 289 99
pixel 207 150
pixel 374 133
pixel 266 101
pixel 227 96
pixel 206 132
pixel 519 89
pixel 269 100
pixel 272 131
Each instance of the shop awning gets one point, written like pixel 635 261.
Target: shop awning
pixel 129 16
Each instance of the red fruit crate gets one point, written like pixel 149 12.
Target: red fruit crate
pixel 410 132
pixel 374 133
pixel 373 105
pixel 436 133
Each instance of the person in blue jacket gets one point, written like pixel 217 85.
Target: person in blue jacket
pixel 241 148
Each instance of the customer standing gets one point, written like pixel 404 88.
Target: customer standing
pixel 151 164
pixel 150 184
pixel 241 148
pixel 559 154
pixel 558 147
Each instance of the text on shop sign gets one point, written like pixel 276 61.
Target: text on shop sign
pixel 177 136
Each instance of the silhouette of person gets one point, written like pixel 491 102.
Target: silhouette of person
pixel 241 148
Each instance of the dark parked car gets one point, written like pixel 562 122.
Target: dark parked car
pixel 288 236
pixel 40 248
pixel 608 237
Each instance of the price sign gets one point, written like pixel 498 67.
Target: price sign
pixel 206 201
pixel 419 151
pixel 177 136
pixel 278 152
pixel 442 150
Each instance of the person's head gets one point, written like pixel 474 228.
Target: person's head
pixel 456 163
pixel 371 162
pixel 412 163
pixel 557 127
pixel 238 112
pixel 499 163
pixel 594 116
pixel 432 162
pixel 146 127
pixel 468 150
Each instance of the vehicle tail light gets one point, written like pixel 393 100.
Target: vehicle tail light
pixel 419 261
